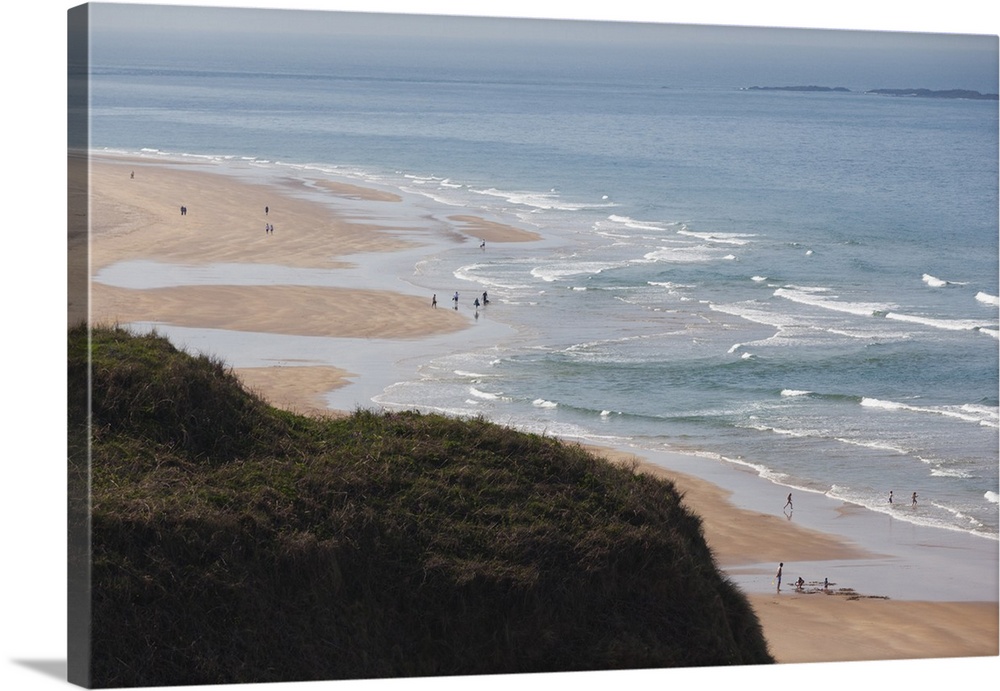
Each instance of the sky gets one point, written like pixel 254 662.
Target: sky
pixel 408 20
pixel 697 54
pixel 963 16
pixel 32 528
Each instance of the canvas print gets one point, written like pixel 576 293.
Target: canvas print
pixel 424 346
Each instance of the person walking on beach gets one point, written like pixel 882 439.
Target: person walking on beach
pixel 265 211
pixel 914 499
pixel 434 301
pixel 777 576
pixel 788 504
pixel 455 299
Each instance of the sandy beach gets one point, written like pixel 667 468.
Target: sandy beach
pixel 135 215
pixel 817 624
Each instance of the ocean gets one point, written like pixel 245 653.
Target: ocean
pixel 802 284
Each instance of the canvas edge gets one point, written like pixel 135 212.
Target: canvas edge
pixel 79 610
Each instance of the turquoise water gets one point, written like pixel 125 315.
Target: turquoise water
pixel 800 283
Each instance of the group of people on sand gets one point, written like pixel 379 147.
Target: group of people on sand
pixel 826 582
pixel 268 228
pixel 913 498
pixel 800 583
pixel 454 298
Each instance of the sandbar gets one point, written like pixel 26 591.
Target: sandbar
pixel 492 231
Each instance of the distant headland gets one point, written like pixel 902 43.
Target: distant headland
pixel 967 94
pixel 928 93
pixel 797 88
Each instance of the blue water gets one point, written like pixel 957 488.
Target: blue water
pixel 804 284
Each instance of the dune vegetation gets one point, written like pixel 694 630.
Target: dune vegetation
pixel 232 541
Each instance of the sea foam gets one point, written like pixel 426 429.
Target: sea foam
pixel 983 415
pixel 724 238
pixel 634 224
pixel 938 323
pixel 933 282
pixel 683 254
pixel 821 297
pixel 554 272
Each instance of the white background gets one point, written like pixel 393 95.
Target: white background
pixel 33 458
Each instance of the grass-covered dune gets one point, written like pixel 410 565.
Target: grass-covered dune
pixel 235 542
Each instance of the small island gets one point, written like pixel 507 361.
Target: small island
pixel 798 88
pixel 928 93
pixel 967 94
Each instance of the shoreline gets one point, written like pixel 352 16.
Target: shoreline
pixel 137 219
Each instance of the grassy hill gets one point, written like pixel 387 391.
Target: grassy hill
pixel 235 542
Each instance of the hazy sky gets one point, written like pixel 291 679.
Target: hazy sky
pixel 858 59
pixel 303 17
pixel 955 16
